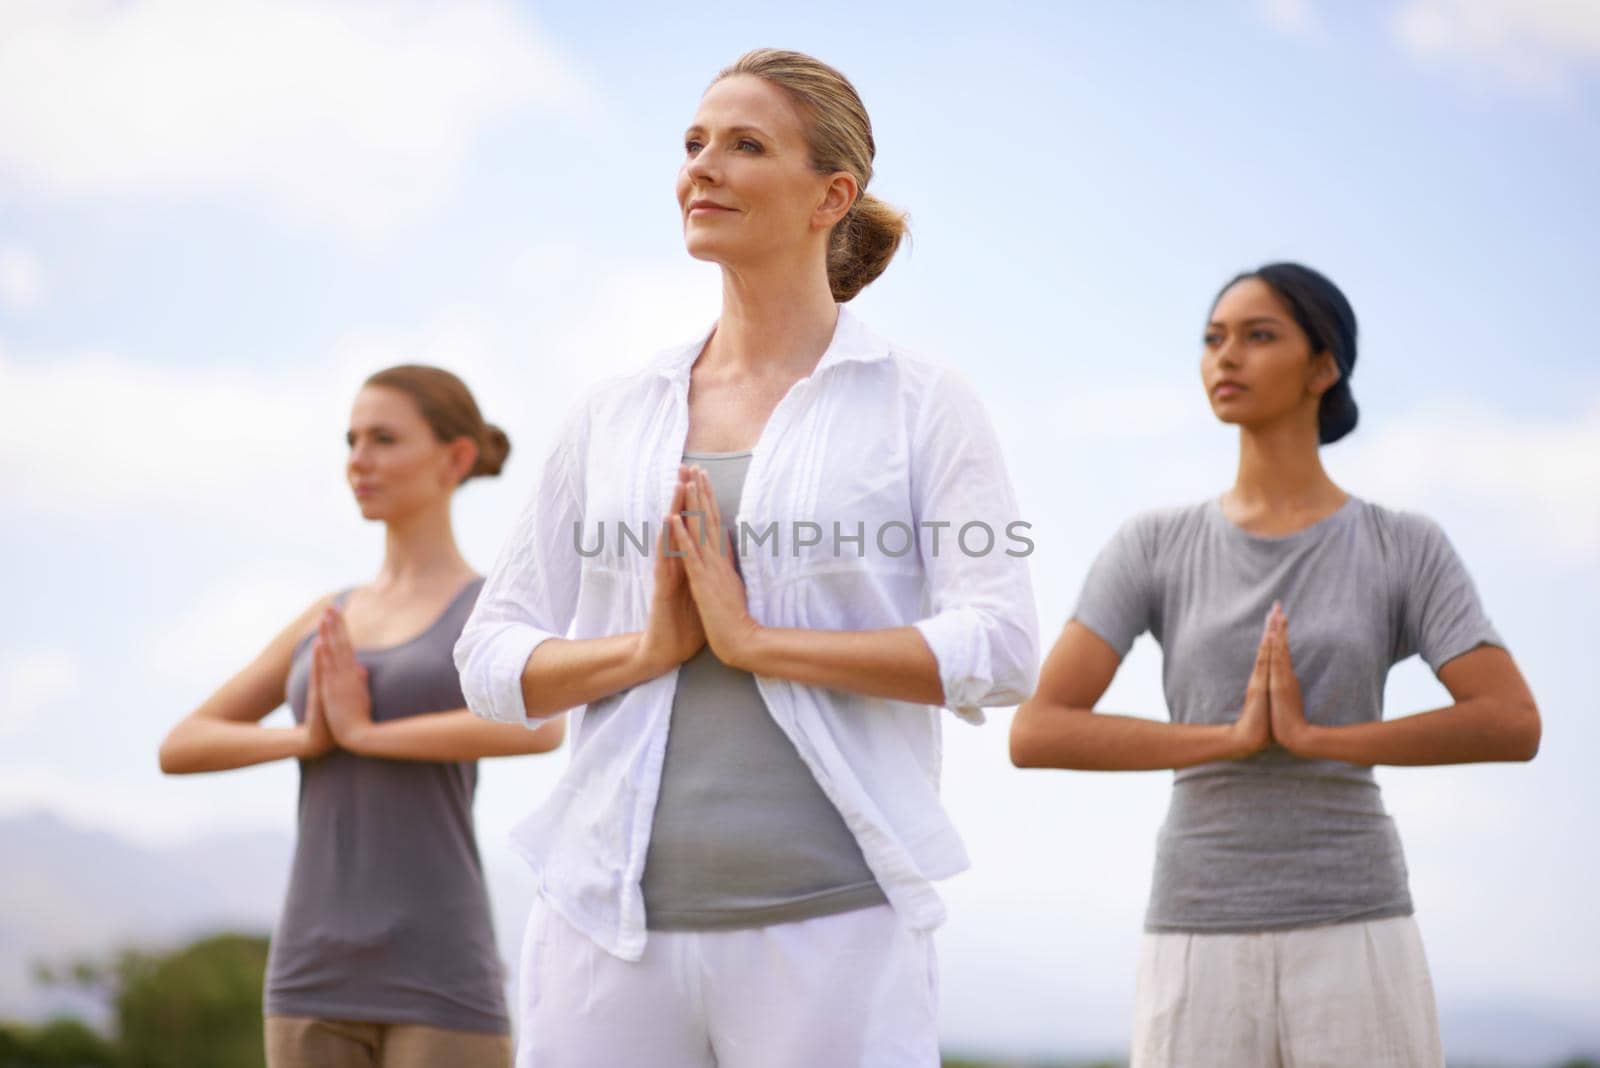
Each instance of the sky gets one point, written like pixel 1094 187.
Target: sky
pixel 218 216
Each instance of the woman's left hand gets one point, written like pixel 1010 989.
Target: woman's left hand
pixel 346 700
pixel 718 591
pixel 1289 726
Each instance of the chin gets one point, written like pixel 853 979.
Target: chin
pixel 1228 418
pixel 702 249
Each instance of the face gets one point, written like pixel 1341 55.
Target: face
pixel 747 190
pixel 1257 365
pixel 397 466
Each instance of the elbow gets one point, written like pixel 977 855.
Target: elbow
pixel 1529 729
pixel 171 758
pixel 1024 753
pixel 551 734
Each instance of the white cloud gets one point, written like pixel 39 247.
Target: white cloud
pixel 223 628
pixel 1297 18
pixel 96 434
pixel 353 114
pixel 1539 479
pixel 1533 46
pixel 93 435
pixel 21 279
pixel 31 680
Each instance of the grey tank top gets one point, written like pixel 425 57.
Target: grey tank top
pixel 1276 841
pixel 387 917
pixel 743 836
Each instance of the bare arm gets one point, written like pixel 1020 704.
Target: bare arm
pixel 894 662
pixel 453 735
pixel 564 673
pixel 1494 718
pixel 1058 727
pixel 225 731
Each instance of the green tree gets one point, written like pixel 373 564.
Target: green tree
pixel 198 1007
pixel 63 1043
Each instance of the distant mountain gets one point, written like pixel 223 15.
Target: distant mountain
pixel 69 891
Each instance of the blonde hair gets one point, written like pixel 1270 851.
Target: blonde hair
pixel 840 137
pixel 449 410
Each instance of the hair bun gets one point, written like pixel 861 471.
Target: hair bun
pixel 492 451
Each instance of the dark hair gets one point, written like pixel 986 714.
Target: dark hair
pixel 449 410
pixel 1329 322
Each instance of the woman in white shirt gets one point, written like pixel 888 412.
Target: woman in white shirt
pixel 736 868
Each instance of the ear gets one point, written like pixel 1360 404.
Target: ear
pixel 838 197
pixel 1325 373
pixel 463 456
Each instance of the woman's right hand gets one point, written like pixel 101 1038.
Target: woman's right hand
pixel 673 632
pixel 318 734
pixel 1253 729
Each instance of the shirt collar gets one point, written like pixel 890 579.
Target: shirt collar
pixel 851 341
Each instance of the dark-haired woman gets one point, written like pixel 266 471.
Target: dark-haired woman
pixel 736 869
pixel 384 956
pixel 1280 929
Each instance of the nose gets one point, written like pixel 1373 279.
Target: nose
pixel 1227 353
pixel 700 170
pixel 360 456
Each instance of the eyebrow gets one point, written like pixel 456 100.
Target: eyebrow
pixel 731 129
pixel 1253 319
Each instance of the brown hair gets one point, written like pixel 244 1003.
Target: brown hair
pixel 448 408
pixel 840 137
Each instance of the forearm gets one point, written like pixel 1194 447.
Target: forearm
pixel 1476 730
pixel 565 673
pixel 452 735
pixel 1051 736
pixel 198 744
pixel 894 662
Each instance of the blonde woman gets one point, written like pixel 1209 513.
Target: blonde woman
pixel 768 547
pixel 384 956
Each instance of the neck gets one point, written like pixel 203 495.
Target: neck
pixel 777 317
pixel 1280 470
pixel 419 550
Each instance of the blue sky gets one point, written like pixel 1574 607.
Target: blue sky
pixel 216 218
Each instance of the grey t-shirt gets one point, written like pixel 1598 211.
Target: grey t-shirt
pixel 1275 841
pixel 742 835
pixel 387 918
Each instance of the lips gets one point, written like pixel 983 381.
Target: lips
pixel 1225 389
pixel 708 206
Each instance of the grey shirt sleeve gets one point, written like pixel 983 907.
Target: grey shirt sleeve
pixel 1117 601
pixel 1441 616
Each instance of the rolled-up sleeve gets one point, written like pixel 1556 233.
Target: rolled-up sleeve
pixel 984 630
pixel 532 591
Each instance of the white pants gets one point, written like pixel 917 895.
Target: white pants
pixel 854 988
pixel 1348 995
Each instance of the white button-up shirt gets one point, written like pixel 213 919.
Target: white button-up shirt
pixel 874 442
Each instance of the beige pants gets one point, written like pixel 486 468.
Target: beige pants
pixel 302 1042
pixel 1348 995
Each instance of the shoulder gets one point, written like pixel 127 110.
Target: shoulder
pixel 1156 528
pixel 619 393
pixel 935 396
pixel 1399 530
